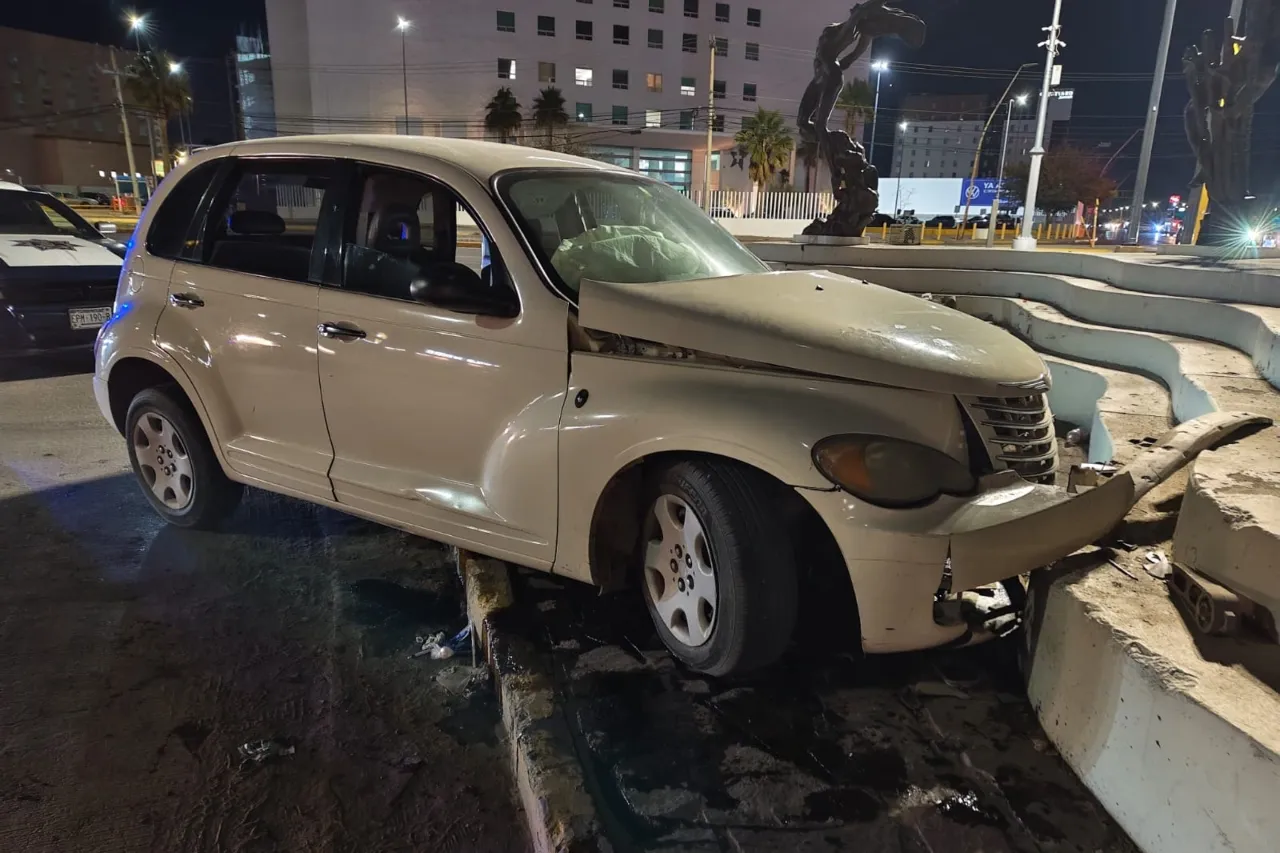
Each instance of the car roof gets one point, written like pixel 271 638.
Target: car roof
pixel 5 185
pixel 480 159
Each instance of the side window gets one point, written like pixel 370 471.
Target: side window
pixel 264 219
pixel 171 227
pixel 403 228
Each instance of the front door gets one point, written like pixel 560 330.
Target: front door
pixel 441 421
pixel 242 320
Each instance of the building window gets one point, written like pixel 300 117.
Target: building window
pixel 717 123
pixel 546 25
pixel 653 82
pixel 506 22
pixel 583 112
pixel 689 86
pixel 584 30
pixel 652 118
pixel 722 47
pixel 690 42
pixel 622 4
pixel 753 51
pixel 584 1
pixel 507 69
pixel 655 39
pixel 658 6
pixel 691 8
pixel 686 119
pixel 619 115
pixel 715 161
pixel 722 13
pixel 583 77
pixel 748 91
pixel 621 34
pixel 753 17
pixel 718 88
pixel 546 72
pixel 621 78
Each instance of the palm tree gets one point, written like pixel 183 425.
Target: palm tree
pixel 768 144
pixel 155 87
pixel 502 115
pixel 857 99
pixel 807 153
pixel 549 112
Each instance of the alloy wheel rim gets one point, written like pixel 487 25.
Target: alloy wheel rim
pixel 163 461
pixel 679 574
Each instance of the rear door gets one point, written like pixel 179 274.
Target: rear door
pixel 242 320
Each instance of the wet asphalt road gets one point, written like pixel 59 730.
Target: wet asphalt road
pixel 137 658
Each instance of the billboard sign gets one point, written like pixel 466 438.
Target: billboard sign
pixel 980 192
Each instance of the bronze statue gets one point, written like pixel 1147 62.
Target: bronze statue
pixel 854 181
pixel 1226 76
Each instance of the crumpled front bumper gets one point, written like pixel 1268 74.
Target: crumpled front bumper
pixel 896 558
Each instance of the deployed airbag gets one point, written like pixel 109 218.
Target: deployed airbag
pixel 628 254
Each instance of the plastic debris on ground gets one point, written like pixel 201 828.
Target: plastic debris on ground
pixel 460 679
pixel 1157 565
pixel 435 646
pixel 1076 437
pixel 258 751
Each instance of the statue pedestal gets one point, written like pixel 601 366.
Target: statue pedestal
pixel 828 240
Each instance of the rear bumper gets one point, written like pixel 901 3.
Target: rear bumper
pixel 897 558
pixel 30 330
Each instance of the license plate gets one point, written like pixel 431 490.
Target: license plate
pixel 88 318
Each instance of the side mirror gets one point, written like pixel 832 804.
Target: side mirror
pixel 459 288
pixel 106 227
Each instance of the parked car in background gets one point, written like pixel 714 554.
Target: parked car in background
pixel 944 221
pixel 616 391
pixel 58 274
pixel 880 220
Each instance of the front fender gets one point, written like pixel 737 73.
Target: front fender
pixel 633 408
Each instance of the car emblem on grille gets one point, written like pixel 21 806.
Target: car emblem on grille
pixel 46 245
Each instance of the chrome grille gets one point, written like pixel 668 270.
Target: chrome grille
pixel 1019 434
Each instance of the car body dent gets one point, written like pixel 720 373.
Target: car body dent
pixel 822 323
pixel 635 407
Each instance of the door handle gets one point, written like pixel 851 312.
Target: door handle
pixel 336 330
pixel 185 300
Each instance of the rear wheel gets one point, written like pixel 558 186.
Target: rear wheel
pixel 719 575
pixel 174 462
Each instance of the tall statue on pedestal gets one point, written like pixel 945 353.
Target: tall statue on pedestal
pixel 1226 75
pixel 854 181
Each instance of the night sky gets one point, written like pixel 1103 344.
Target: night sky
pixel 1108 60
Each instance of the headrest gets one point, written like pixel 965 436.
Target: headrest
pixel 256 222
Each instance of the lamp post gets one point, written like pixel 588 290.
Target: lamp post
pixel 1153 108
pixel 897 189
pixel 403 26
pixel 879 66
pixel 1025 242
pixel 982 137
pixel 1021 101
pixel 175 69
pixel 138 25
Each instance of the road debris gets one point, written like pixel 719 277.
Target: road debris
pixel 939 688
pixel 435 647
pixel 1157 565
pixel 1123 570
pixel 258 751
pixel 1076 437
pixel 460 679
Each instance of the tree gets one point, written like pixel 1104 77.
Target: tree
pixel 502 115
pixel 857 99
pixel 549 112
pixel 156 88
pixel 768 144
pixel 807 153
pixel 1068 176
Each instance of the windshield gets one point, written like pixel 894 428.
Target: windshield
pixel 23 212
pixel 617 227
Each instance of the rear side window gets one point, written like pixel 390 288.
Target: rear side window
pixel 264 220
pixel 171 227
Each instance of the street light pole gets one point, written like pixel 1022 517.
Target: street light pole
pixel 1025 242
pixel 403 26
pixel 711 120
pixel 880 66
pixel 1004 149
pixel 137 24
pixel 897 189
pixel 977 155
pixel 1153 109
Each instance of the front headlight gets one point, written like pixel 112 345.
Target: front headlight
pixel 890 472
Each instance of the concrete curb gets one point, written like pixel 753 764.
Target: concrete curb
pixel 559 811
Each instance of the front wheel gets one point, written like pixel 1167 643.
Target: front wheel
pixel 719 572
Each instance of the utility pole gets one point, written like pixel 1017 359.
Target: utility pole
pixel 1237 10
pixel 879 66
pixel 995 202
pixel 403 25
pixel 1025 242
pixel 982 138
pixel 1149 133
pixel 711 120
pixel 138 25
pixel 124 123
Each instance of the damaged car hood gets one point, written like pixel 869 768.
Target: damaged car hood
pixel 819 322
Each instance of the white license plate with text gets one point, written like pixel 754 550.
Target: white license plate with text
pixel 88 318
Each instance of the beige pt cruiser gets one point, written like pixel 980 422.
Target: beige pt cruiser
pixel 566 365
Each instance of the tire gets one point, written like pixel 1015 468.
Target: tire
pixel 183 481
pixel 733 543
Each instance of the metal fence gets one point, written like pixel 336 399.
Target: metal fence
pixel 748 204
